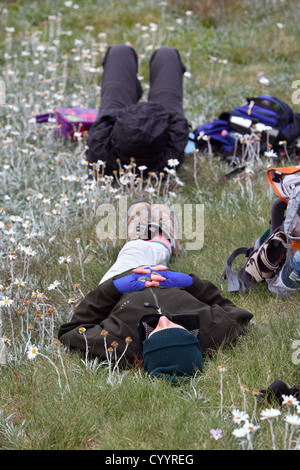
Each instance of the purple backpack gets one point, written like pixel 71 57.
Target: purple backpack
pixel 70 120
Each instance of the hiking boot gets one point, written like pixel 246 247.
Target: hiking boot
pixel 138 220
pixel 164 222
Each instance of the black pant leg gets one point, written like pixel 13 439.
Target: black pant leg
pixel 166 72
pixel 120 86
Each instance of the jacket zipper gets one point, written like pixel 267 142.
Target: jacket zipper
pixel 156 302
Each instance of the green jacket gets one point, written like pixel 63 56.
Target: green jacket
pixel 105 308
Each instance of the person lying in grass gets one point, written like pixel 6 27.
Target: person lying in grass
pixel 153 131
pixel 171 319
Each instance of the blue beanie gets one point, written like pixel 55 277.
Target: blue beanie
pixel 172 353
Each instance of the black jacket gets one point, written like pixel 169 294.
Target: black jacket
pixel 146 131
pixel 199 306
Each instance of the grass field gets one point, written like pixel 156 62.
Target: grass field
pixel 50 56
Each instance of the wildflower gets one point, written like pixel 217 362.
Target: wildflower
pixel 264 81
pixel 170 171
pixel 29 252
pixel 53 285
pixel 64 259
pixel 124 180
pixel 38 295
pixel 5 302
pixel 293 420
pixel 216 433
pixel 172 162
pixel 16 218
pixel 55 211
pixel 12 255
pixel 19 282
pixel 244 389
pixel 289 400
pixel 239 416
pixel 271 153
pixel 250 428
pixel 269 413
pixel 239 433
pixel 150 190
pixel 81 201
pixel 31 352
pixel 50 312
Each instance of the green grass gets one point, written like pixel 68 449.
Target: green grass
pixel 135 413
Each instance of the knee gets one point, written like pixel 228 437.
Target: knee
pixel 120 50
pixel 166 51
pixel 167 55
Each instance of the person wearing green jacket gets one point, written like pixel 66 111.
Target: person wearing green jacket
pixel 171 319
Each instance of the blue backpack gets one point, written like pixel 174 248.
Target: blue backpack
pixel 263 110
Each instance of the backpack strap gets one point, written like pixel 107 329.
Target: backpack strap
pixel 235 281
pixel 292 220
pixel 40 118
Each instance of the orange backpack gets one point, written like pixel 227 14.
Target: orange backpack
pixel 286 183
pixel 270 251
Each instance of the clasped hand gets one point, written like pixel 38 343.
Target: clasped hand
pixel 149 276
